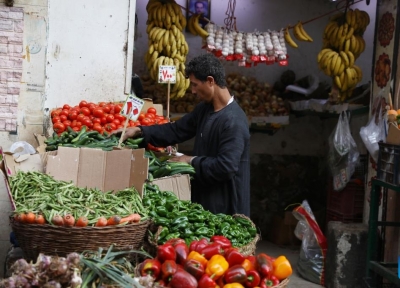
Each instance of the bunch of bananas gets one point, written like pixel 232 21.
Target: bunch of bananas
pixel 299 33
pixel 195 28
pixel 167 43
pixel 342 45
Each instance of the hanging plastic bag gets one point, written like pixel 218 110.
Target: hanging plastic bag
pixel 311 261
pixel 343 154
pixel 375 130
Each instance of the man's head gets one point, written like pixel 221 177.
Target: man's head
pixel 205 72
pixel 199 7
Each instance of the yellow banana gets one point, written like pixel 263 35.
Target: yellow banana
pixel 297 32
pixel 348 16
pixel 151 49
pixel 200 31
pixel 337 82
pixel 149 27
pixel 170 10
pixel 347 45
pixel 332 63
pixel 190 26
pixel 154 57
pixel 322 52
pixel 165 39
pixel 329 28
pixel 345 58
pixel 350 33
pixel 351 58
pixel 341 69
pixel 305 34
pixel 358 72
pixel 336 67
pixel 289 39
pixel 151 4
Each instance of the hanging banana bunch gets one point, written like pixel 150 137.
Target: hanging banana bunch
pixel 299 33
pixel 342 45
pixel 167 43
pixel 195 28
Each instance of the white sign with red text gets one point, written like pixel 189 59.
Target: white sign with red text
pixel 132 107
pixel 167 74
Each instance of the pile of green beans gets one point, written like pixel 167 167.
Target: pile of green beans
pixel 39 193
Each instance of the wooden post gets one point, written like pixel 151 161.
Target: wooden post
pixel 168 99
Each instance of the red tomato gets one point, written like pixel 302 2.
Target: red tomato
pixel 87 122
pixel 72 115
pixel 146 122
pixel 78 124
pixel 151 116
pixel 152 110
pixel 110 126
pixel 141 116
pixel 83 103
pixel 110 118
pixel 80 117
pixel 137 123
pixel 63 118
pixel 55 119
pixel 55 112
pixel 58 127
pixel 107 108
pixel 132 124
pixel 96 120
pixel 64 112
pixel 164 121
pixel 119 117
pixel 159 117
pixel 85 111
pixel 76 128
pixel 66 107
pixel 98 112
pixel 103 120
pixel 67 123
pixel 116 122
pixel 118 108
pixel 101 104
pixel 91 106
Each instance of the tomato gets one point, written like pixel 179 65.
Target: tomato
pixel 107 108
pixel 91 107
pixel 131 124
pixel 58 127
pixel 87 122
pixel 119 117
pixel 152 110
pixel 137 123
pixel 116 122
pixel 55 112
pixel 159 117
pixel 98 112
pixel 55 119
pixel 164 121
pixel 72 115
pixel 103 120
pixel 63 118
pixel 66 107
pixel 78 124
pixel 151 116
pixel 146 122
pixel 98 128
pixel 80 117
pixel 141 116
pixel 64 112
pixel 110 126
pixel 110 118
pixel 96 120
pixel 118 108
pixel 67 123
pixel 83 103
pixel 85 111
pixel 101 104
pixel 76 128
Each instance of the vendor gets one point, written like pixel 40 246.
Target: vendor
pixel 221 149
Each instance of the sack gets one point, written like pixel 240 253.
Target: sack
pixel 343 154
pixel 375 130
pixel 311 261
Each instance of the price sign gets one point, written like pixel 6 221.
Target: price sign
pixel 132 107
pixel 167 74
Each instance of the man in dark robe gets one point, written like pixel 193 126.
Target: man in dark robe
pixel 221 149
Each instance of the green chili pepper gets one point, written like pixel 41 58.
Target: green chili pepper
pixel 162 221
pixel 164 232
pixel 202 231
pixel 161 211
pixel 179 220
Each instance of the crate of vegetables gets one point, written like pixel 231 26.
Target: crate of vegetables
pixel 56 217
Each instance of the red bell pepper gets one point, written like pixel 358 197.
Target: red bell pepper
pixel 182 251
pixel 168 268
pixel 182 279
pixel 197 245
pixel 194 267
pixel 175 241
pixel 264 265
pixel 233 256
pixel 253 279
pixel 225 242
pixel 235 274
pixel 211 250
pixel 207 282
pixel 166 252
pixel 269 282
pixel 151 267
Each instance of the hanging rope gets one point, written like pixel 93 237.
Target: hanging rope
pixel 230 20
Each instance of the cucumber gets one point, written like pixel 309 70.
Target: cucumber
pixel 80 134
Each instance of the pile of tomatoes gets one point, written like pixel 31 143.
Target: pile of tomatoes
pixel 104 116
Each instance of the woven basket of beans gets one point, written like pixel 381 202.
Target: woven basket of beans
pixel 249 248
pixel 60 240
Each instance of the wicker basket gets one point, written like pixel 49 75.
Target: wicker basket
pixel 58 240
pixel 250 248
pixel 283 284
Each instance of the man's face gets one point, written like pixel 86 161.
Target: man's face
pixel 202 90
pixel 199 7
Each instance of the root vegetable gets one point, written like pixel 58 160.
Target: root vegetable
pixel 57 220
pixel 69 220
pixel 113 220
pixel 133 218
pixel 82 221
pixel 101 222
pixel 40 219
pixel 30 218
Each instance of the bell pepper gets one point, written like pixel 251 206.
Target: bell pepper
pixel 264 265
pixel 197 256
pixel 233 256
pixel 211 249
pixel 233 285
pixel 175 241
pixel 182 251
pixel 253 278
pixel 269 282
pixel 182 279
pixel 217 265
pixel 225 242
pixel 151 267
pixel 198 245
pixel 168 268
pixel 248 265
pixel 235 274
pixel 207 282
pixel 194 267
pixel 282 268
pixel 166 252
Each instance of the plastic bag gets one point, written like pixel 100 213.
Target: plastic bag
pixel 375 130
pixel 20 148
pixel 343 154
pixel 311 261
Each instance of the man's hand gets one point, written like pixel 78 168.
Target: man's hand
pixel 183 158
pixel 131 132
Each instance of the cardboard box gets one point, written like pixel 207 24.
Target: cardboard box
pixel 179 184
pixel 95 168
pixel 24 162
pixel 393 136
pixel 282 230
pixel 149 103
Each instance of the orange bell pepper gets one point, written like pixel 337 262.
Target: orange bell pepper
pixel 197 256
pixel 233 285
pixel 248 265
pixel 217 266
pixel 281 268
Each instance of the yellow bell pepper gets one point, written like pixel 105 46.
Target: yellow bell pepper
pixel 217 265
pixel 197 256
pixel 282 268
pixel 233 285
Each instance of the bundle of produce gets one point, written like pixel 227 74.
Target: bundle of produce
pixel 299 33
pixel 190 221
pixel 213 263
pixel 167 43
pixel 160 167
pixel 342 45
pixel 39 199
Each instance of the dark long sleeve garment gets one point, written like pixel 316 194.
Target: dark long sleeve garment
pixel 222 180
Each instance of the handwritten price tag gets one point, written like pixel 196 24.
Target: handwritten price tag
pixel 167 74
pixel 132 107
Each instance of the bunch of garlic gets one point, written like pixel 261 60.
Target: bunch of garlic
pixel 249 42
pixel 210 28
pixel 282 41
pixel 239 43
pixel 276 43
pixel 261 44
pixel 268 44
pixel 218 38
pixel 227 43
